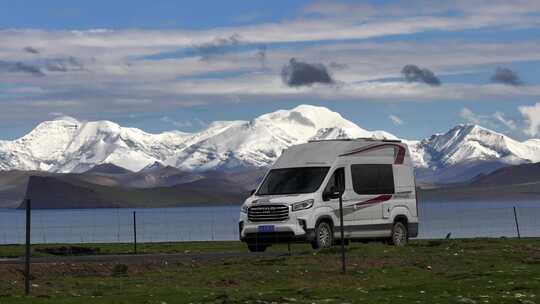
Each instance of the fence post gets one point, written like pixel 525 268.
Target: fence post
pixel 212 227
pixel 342 232
pixel 517 223
pixel 135 232
pixel 28 249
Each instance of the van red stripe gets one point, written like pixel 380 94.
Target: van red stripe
pixel 375 200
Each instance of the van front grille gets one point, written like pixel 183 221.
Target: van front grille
pixel 268 213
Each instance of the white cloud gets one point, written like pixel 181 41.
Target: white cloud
pixel 176 123
pixel 56 114
pixel 62 116
pixel 132 101
pixel 25 90
pixel 52 103
pixel 495 120
pixel 120 77
pixel 396 120
pixel 469 116
pixel 531 114
pixel 393 10
pixel 509 123
pixel 200 122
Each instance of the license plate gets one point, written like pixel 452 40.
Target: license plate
pixel 266 228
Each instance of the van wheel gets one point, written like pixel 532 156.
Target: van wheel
pixel 256 247
pixel 324 236
pixel 400 235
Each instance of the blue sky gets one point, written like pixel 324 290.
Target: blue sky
pixel 122 14
pixel 166 65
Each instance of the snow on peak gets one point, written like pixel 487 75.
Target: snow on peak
pixel 307 122
pixel 470 142
pixel 306 116
pixel 74 146
pixel 68 145
pixel 260 141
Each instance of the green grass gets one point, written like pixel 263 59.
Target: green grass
pixel 457 271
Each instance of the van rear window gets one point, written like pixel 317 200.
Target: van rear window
pixel 293 180
pixel 372 179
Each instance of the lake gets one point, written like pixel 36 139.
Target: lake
pixel 461 219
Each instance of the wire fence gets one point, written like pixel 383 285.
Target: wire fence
pixel 118 226
pixel 508 221
pixel 460 220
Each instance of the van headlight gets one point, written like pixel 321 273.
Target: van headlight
pixel 244 209
pixel 302 205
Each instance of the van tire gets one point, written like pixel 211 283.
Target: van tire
pixel 400 235
pixel 256 247
pixel 324 236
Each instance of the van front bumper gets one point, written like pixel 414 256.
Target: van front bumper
pixel 276 237
pixel 283 233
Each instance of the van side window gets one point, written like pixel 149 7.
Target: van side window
pixel 372 179
pixel 337 180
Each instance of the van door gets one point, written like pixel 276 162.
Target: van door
pixel 337 182
pixel 405 193
pixel 373 186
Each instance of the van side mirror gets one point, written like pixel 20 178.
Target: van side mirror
pixel 252 192
pixel 332 194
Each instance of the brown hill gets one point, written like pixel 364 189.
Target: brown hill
pixel 520 174
pixel 54 192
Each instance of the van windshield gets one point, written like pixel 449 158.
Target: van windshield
pixel 293 180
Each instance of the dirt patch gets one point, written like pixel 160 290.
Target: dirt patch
pixel 69 250
pixel 369 263
pixel 226 283
pixel 530 252
pixel 526 248
pixel 14 272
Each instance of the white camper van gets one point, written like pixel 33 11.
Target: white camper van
pixel 298 199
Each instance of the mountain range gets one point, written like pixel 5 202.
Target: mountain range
pixel 66 145
pixel 104 154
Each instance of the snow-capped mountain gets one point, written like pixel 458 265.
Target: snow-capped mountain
pixel 260 141
pixel 68 145
pixel 466 143
pixel 466 151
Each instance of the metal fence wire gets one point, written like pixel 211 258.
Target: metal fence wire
pixel 221 223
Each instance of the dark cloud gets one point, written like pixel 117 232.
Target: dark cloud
pixel 36 69
pixel 506 76
pixel 298 73
pixel 338 66
pixel 31 50
pixel 217 47
pixel 64 64
pixel 414 73
pixel 26 68
pixel 20 67
pixel 261 55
